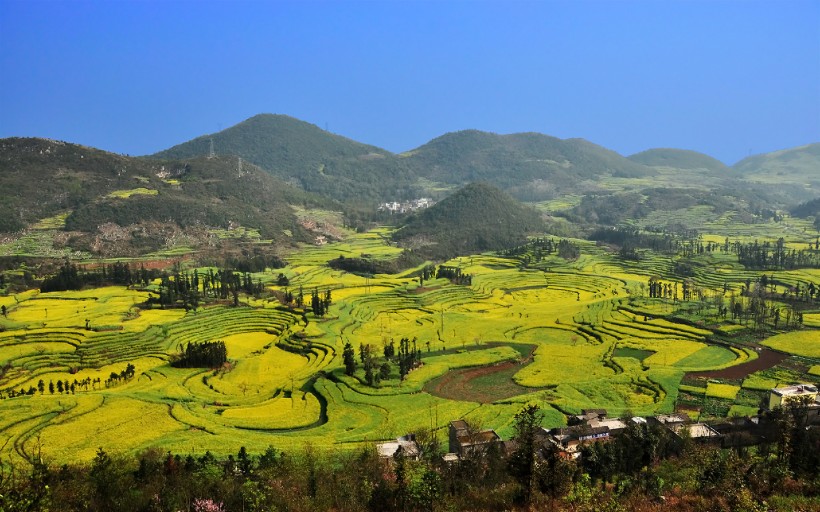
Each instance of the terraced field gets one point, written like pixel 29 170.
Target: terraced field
pixel 565 334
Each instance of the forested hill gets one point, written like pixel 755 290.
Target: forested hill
pixel 679 159
pixel 477 218
pixel 520 163
pixel 306 156
pixel 94 190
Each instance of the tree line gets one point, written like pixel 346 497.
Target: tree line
pixel 776 256
pixel 71 387
pixel 72 277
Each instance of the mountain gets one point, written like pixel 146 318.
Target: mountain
pixel 476 218
pixel 105 197
pixel 793 174
pixel 306 156
pixel 531 166
pixel 678 159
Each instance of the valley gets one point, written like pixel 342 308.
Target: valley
pixel 567 334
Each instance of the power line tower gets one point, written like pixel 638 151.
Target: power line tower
pixel 239 167
pixel 211 154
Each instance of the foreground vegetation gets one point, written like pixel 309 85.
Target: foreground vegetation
pixel 646 468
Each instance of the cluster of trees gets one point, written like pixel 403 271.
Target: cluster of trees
pixel 427 273
pixel 184 289
pixel 407 357
pixel 124 376
pixel 775 256
pixel 663 242
pixel 454 274
pixel 662 290
pixel 72 277
pixel 208 354
pixel 762 311
pixel 373 371
pixel 758 301
pixel 319 302
pixel 536 249
pixel 256 262
pixel 636 471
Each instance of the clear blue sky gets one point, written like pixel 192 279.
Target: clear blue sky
pixel 722 77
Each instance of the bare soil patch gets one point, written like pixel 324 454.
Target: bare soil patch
pixel 483 384
pixel 765 360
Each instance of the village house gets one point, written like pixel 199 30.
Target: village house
pixel 406 206
pixel 570 440
pixel 405 445
pixel 779 397
pixel 464 440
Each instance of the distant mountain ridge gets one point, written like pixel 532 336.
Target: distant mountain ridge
pixel 529 166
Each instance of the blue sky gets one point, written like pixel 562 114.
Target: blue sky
pixel 727 78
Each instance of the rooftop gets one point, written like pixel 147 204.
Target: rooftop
pixel 485 436
pixel 668 419
pixel 407 444
pixel 799 389
pixel 697 430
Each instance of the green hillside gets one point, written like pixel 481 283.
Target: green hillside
pixel 306 156
pixel 475 219
pixel 96 193
pixel 678 159
pixel 530 166
pixel 791 172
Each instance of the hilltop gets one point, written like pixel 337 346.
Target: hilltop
pixel 531 166
pixel 109 202
pixel 475 219
pixel 679 159
pixel 305 156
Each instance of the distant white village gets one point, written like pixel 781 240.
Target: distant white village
pixel 406 206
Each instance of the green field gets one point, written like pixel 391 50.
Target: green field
pixel 566 335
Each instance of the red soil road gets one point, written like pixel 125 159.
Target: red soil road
pixel 765 360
